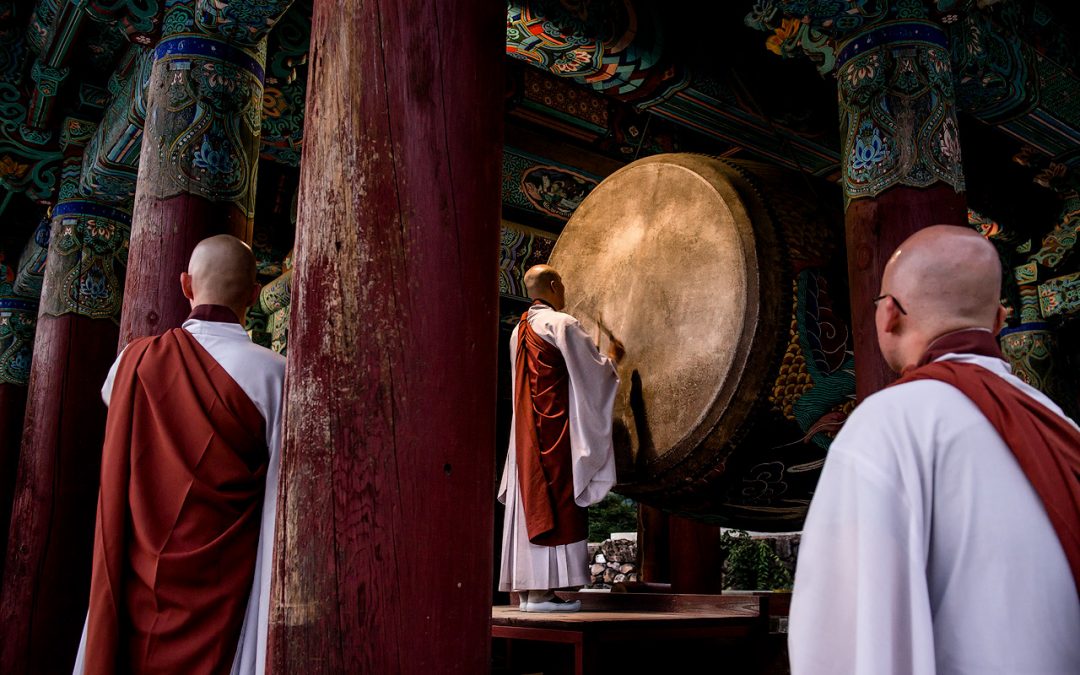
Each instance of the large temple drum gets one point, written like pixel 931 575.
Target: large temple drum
pixel 721 278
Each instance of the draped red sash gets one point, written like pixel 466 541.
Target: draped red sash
pixel 182 480
pixel 1045 445
pixel 542 442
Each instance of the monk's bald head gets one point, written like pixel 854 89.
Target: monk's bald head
pixel 221 271
pixel 542 282
pixel 946 278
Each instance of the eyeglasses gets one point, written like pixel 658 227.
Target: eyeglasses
pixel 895 301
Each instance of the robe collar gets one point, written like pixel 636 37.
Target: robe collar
pixel 977 341
pixel 216 313
pixel 541 301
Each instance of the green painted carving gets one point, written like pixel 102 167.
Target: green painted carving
pixel 1059 242
pixel 897 117
pixel 255 325
pixel 791 37
pixel 1025 274
pixel 18 319
pixel 41 22
pixel 278 325
pixel 276 294
pixel 1060 297
pixel 47 78
pixel 19 292
pixel 76 132
pixel 815 384
pixel 818 29
pixel 1032 351
pixel 207 93
pixel 138 19
pixel 991 67
pixel 111 161
pixel 209 124
pixel 286 86
pixel 1029 304
pixel 520 248
pixel 242 22
pixel 609 45
pixel 24 165
pixel 32 262
pixel 87 254
pixel 87 259
pixel 274 303
pixel 93 97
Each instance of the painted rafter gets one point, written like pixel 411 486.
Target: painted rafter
pixel 1013 68
pixel 621 54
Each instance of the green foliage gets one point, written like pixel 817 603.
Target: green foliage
pixel 614 514
pixel 751 564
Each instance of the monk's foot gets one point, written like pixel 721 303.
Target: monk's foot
pixel 554 605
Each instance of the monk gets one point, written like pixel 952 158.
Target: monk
pixel 944 535
pixel 188 484
pixel 560 459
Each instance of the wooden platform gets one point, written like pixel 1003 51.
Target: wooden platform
pixel 629 624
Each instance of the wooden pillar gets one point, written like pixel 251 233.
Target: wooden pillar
pixel 47 568
pixel 679 551
pixel 900 160
pixel 20 289
pixel 200 150
pixel 383 555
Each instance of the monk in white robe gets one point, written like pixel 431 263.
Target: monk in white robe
pixel 220 285
pixel 560 459
pixel 932 545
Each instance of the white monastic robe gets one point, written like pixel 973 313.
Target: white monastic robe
pixel 593 383
pixel 927 551
pixel 260 373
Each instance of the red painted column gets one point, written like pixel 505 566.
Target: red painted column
pixel 20 290
pixel 200 151
pixel 383 554
pixel 875 227
pixel 47 567
pixel 900 159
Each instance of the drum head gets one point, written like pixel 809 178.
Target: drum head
pixel 663 254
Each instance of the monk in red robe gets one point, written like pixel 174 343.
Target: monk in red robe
pixel 184 468
pixel 560 459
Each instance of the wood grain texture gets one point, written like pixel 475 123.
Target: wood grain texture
pixel 12 409
pixel 875 227
pixel 383 552
pixel 47 567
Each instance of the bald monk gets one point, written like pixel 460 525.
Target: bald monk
pixel 560 459
pixel 944 535
pixel 188 485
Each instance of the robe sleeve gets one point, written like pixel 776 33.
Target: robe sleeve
pixel 860 602
pixel 508 466
pixel 106 389
pixel 593 384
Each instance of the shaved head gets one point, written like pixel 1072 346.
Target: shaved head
pixel 946 278
pixel 221 271
pixel 542 282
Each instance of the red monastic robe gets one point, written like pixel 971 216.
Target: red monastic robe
pixel 182 480
pixel 542 440
pixel 1045 445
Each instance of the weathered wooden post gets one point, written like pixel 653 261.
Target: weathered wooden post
pixel 383 558
pixel 20 291
pixel 900 159
pixel 47 567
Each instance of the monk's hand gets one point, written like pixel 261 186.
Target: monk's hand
pixel 616 351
